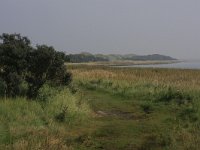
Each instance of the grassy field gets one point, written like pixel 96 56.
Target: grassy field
pixel 143 108
pixel 108 108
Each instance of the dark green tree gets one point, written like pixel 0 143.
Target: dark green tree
pixel 22 64
pixel 57 73
pixel 13 53
pixel 45 65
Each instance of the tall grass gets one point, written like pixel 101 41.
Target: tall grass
pixel 27 124
pixel 180 78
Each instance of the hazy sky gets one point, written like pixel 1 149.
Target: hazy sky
pixel 170 27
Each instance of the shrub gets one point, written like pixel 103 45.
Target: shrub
pixel 62 115
pixel 73 88
pixel 65 107
pixel 169 94
pixel 46 93
pixel 2 88
pixel 13 52
pixel 20 62
pixel 52 69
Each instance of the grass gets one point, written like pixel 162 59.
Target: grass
pixel 143 108
pixel 180 78
pixel 27 124
pixel 108 108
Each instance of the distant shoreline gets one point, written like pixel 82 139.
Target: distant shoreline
pixel 128 63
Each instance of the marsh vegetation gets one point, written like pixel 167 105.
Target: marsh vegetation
pixel 108 108
pixel 101 107
pixel 142 108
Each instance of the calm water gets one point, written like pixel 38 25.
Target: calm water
pixel 180 65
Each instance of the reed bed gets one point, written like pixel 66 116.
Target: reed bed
pixel 180 78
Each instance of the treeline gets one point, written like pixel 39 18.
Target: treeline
pixel 84 57
pixel 87 57
pixel 150 57
pixel 25 69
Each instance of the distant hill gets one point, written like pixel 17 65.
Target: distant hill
pixel 84 57
pixel 150 57
pixel 88 57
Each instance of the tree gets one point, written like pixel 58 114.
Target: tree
pixel 21 63
pixel 57 73
pixel 13 64
pixel 45 64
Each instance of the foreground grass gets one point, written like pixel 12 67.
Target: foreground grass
pixel 27 124
pixel 111 108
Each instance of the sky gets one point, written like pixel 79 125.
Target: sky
pixel 169 27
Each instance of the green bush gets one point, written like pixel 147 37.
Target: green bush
pixel 2 88
pixel 20 63
pixel 62 115
pixel 65 107
pixel 170 94
pixel 47 93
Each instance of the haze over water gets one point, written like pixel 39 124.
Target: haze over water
pixel 191 64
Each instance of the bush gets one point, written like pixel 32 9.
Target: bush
pixel 13 54
pixel 46 93
pixel 169 94
pixel 2 88
pixel 52 69
pixel 20 63
pixel 65 107
pixel 62 115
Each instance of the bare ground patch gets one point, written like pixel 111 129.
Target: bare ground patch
pixel 121 115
